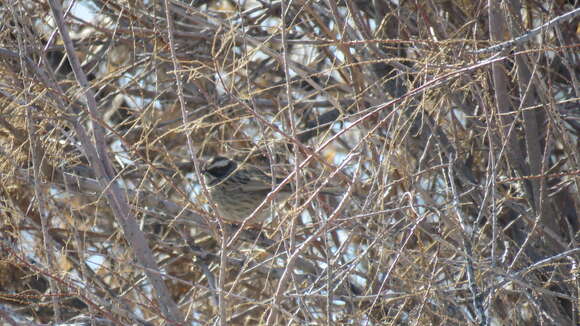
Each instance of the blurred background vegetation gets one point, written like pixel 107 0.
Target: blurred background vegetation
pixel 457 163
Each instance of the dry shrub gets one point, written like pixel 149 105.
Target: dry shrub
pixel 456 171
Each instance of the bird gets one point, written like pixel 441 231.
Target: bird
pixel 239 190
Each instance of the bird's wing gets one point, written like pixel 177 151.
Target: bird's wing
pixel 260 181
pixel 253 179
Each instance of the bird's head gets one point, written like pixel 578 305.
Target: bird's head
pixel 220 167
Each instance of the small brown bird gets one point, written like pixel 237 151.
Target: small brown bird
pixel 238 191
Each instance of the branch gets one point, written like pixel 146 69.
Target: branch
pixel 521 39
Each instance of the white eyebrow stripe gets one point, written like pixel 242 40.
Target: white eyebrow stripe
pixel 221 163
